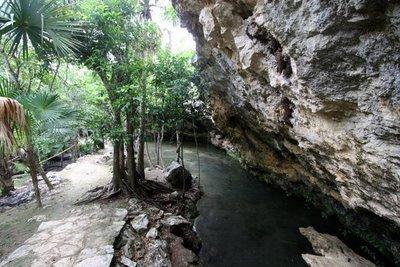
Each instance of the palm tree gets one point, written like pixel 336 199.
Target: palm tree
pixel 33 114
pixel 47 27
pixel 12 116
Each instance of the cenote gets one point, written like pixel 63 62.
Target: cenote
pixel 245 222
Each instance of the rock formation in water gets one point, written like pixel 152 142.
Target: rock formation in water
pixel 308 92
pixel 332 251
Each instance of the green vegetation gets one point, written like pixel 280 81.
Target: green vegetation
pixel 84 74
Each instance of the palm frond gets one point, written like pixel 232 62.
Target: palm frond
pixel 12 115
pixel 42 23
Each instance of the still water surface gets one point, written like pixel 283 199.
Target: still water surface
pixel 243 221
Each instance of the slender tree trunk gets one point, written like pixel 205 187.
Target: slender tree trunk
pixel 33 170
pixel 117 172
pixel 39 168
pixel 122 160
pixel 183 162
pixel 158 148
pixel 130 151
pixel 161 142
pixel 6 180
pixel 14 75
pixel 178 147
pixel 142 129
pixel 148 154
pixel 197 147
pixel 55 75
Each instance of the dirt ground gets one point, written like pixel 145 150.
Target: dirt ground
pixel 88 172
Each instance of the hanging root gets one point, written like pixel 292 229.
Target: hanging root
pixel 101 192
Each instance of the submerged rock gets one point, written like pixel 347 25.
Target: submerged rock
pixel 333 252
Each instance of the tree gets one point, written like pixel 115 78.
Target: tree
pixel 118 40
pixel 46 26
pixel 12 117
pixel 173 76
pixel 34 114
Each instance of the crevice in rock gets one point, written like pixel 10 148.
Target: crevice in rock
pixel 286 111
pixel 283 65
pixel 243 10
pixel 190 239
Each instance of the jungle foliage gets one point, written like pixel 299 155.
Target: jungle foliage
pixel 85 73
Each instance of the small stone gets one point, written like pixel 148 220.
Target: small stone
pixel 140 222
pixel 127 249
pixel 121 213
pixel 174 195
pixel 159 215
pixel 37 218
pixel 127 262
pixel 152 233
pixel 174 220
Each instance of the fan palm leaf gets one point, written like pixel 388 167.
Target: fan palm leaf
pixel 44 24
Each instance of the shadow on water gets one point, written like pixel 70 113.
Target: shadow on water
pixel 243 221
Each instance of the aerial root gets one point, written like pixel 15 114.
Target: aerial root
pixel 101 192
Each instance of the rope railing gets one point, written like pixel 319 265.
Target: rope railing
pixel 65 150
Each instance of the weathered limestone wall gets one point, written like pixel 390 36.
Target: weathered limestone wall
pixel 308 90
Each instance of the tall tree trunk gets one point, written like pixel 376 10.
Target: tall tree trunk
pixel 122 160
pixel 32 164
pixel 130 151
pixel 148 154
pixel 6 181
pixel 117 172
pixel 142 129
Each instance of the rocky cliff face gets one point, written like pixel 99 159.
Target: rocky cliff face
pixel 308 91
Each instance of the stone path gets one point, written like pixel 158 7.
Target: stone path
pixel 84 239
pixel 19 223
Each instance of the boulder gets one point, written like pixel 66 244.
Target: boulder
pixel 177 175
pixel 332 251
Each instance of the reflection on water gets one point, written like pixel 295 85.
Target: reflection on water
pixel 244 222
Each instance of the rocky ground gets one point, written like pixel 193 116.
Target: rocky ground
pixel 83 239
pixel 63 234
pixel 152 237
pixel 25 193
